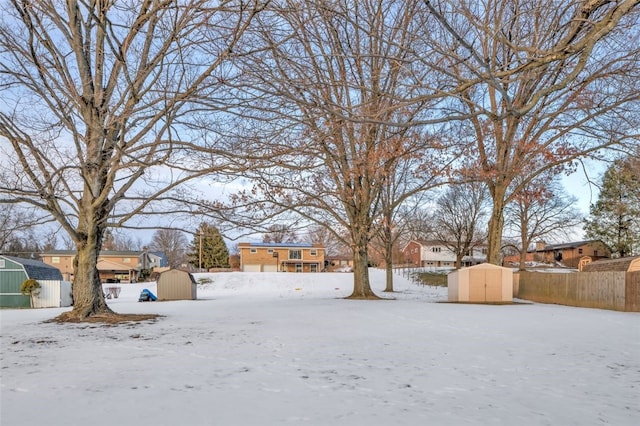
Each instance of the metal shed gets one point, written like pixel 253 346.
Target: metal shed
pixel 176 284
pixel 622 264
pixel 14 270
pixel 481 283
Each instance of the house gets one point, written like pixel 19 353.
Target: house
pixel 113 266
pixel 622 264
pixel 571 255
pixel 437 254
pixel 54 291
pixel 281 257
pixel 339 263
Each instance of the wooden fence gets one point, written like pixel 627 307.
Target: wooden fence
pixel 618 291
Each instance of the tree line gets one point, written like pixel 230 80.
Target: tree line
pixel 338 113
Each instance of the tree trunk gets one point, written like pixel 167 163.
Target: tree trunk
pixel 389 274
pixel 88 298
pixel 523 258
pixel 361 285
pixel 458 260
pixel 388 258
pixel 496 225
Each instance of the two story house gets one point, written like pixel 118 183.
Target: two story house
pixel 436 254
pixel 281 257
pixel 113 265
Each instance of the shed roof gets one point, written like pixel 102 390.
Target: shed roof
pixel 620 264
pixel 178 272
pixel 36 269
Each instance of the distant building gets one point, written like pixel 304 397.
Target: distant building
pixel 571 255
pixel 436 254
pixel 281 257
pixel 113 266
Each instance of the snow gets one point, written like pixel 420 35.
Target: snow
pixel 281 348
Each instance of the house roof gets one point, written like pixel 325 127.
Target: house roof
pixel 562 246
pixel 102 253
pixel 279 245
pixel 107 265
pixel 36 269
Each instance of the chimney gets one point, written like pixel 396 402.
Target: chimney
pixel 540 246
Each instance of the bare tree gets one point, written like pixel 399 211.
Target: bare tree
pixel 171 242
pixel 540 84
pixel 96 101
pixel 541 209
pixel 339 88
pixel 458 218
pixel 16 220
pixel 280 233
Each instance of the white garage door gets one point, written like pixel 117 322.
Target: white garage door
pixel 270 268
pixel 251 268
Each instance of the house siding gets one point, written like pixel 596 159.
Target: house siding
pixel 274 257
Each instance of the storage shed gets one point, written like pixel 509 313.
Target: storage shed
pixel 14 271
pixel 175 284
pixel 481 283
pixel 622 264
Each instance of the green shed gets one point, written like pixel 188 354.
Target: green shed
pixel 13 272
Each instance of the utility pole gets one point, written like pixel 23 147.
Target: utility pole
pixel 200 262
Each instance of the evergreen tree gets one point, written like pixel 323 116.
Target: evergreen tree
pixel 209 248
pixel 615 217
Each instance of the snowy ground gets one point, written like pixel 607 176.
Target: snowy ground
pixel 273 349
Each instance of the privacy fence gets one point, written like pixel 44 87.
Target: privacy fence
pixel 618 291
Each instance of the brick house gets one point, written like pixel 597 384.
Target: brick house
pixel 568 254
pixel 113 266
pixel 281 257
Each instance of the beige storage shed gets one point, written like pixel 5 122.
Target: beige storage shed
pixel 622 264
pixel 481 283
pixel 175 284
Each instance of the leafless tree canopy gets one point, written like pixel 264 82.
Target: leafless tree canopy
pixel 98 98
pixel 539 84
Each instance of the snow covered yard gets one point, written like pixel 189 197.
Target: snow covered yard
pixel 272 349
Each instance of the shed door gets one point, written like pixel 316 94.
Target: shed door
pixel 476 285
pixel 493 286
pixel 485 285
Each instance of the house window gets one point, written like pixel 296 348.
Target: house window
pixel 253 250
pixel 55 259
pixel 436 249
pixel 270 251
pixel 595 252
pixel 313 252
pixel 314 267
pixel 295 254
pixel 2 265
pixel 485 250
pixel 580 251
pixel 126 260
pixel 298 267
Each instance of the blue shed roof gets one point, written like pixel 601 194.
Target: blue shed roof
pixel 36 269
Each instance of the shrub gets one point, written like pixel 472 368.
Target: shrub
pixel 29 287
